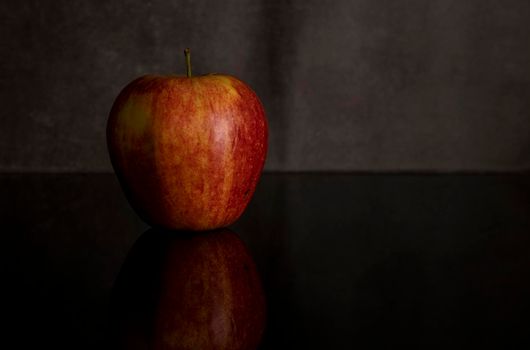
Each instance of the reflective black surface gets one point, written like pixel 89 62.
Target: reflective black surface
pixel 428 261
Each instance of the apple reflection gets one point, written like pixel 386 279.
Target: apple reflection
pixel 188 291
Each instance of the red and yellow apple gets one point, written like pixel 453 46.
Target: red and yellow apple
pixel 188 150
pixel 187 291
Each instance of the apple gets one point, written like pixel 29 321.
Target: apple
pixel 187 291
pixel 188 150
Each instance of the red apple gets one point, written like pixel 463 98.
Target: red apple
pixel 188 291
pixel 188 151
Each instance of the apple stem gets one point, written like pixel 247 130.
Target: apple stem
pixel 188 62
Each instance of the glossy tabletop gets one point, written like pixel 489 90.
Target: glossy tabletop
pixel 346 261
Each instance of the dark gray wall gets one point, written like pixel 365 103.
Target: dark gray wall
pixel 348 85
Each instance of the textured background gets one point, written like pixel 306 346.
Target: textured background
pixel 438 85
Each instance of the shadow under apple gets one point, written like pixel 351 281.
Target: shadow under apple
pixel 179 290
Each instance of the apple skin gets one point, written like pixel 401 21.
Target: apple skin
pixel 188 151
pixel 188 291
